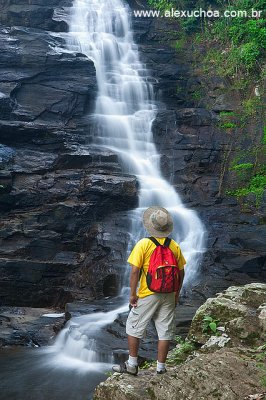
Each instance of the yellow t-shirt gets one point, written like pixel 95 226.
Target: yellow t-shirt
pixel 140 258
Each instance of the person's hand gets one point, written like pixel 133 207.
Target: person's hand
pixel 133 300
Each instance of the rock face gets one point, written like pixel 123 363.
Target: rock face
pixel 233 370
pixel 57 192
pixel 193 148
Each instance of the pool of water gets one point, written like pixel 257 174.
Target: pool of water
pixel 36 374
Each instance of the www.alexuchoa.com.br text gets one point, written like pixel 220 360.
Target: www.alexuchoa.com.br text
pixel 200 13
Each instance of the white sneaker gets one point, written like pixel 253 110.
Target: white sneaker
pixel 125 368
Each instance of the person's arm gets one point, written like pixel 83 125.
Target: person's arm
pixel 134 280
pixel 181 277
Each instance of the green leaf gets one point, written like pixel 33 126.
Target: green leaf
pixel 213 326
pixel 207 319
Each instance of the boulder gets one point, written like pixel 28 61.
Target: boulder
pixel 238 310
pixel 227 366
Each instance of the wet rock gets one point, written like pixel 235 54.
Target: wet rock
pixel 57 191
pixel 23 326
pixel 33 14
pixel 35 92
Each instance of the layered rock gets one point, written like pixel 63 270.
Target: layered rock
pixel 57 192
pixel 225 369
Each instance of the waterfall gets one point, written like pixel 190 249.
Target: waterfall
pixel 124 112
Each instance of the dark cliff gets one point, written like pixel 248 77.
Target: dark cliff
pixel 60 198
pixel 63 226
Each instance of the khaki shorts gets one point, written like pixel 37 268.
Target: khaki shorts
pixel 159 307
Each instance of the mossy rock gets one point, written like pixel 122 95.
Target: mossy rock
pixel 237 311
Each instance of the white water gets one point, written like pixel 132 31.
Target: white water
pixel 124 112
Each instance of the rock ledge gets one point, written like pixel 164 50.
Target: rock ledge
pixel 233 372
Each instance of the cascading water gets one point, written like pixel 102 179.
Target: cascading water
pixel 124 112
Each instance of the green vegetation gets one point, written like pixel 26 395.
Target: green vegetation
pixel 263 381
pixel 210 324
pixel 251 108
pixel 228 120
pixel 228 125
pixel 261 359
pixel 196 95
pixel 250 175
pixel 180 43
pixel 233 48
pixel 181 352
pixel 161 5
pixel 242 167
pixel 148 364
pixel 264 135
pixel 242 40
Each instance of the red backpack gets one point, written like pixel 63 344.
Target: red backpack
pixel 163 272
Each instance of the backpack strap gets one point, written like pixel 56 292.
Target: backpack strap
pixel 167 242
pixel 154 241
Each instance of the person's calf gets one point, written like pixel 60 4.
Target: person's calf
pixel 133 346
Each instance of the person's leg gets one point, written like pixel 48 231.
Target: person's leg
pixel 133 345
pixel 163 347
pixel 165 323
pixel 131 365
pixel 136 325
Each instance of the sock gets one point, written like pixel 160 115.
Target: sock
pixel 133 361
pixel 160 366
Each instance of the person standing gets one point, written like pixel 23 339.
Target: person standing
pixel 145 304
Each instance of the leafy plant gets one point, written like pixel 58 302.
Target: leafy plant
pixel 161 5
pixel 197 95
pixel 180 353
pixel 243 166
pixel 251 106
pixel 227 120
pixel 210 324
pixel 226 114
pixel 256 186
pixel 228 125
pixel 147 364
